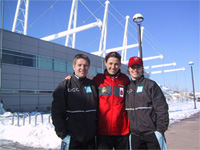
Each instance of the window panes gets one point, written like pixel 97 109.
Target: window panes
pixel 9 58
pixel 45 63
pixel 17 58
pixel 69 67
pixel 59 65
pixel 28 60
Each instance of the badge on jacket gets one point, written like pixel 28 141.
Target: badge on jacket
pixel 121 90
pixel 88 89
pixel 139 89
pixel 104 90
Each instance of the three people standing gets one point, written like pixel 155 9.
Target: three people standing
pixel 145 103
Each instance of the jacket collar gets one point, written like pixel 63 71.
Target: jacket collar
pixel 78 78
pixel 115 75
pixel 139 79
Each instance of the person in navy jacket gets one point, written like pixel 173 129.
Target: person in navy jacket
pixel 147 109
pixel 74 108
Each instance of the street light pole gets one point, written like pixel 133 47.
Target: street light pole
pixel 191 63
pixel 138 18
pixel 139 40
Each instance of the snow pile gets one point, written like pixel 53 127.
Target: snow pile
pixel 41 135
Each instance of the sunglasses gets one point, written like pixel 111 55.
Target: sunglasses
pixel 113 54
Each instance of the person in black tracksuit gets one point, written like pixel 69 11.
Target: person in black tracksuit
pixel 74 108
pixel 147 109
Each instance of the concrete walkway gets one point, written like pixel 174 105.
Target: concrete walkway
pixel 9 145
pixel 184 135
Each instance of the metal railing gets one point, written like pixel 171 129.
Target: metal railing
pixel 15 114
pixel 36 118
pixel 28 118
pixel 49 119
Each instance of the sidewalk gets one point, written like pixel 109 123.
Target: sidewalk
pixel 184 135
pixel 9 145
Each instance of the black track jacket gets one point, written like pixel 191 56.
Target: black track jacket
pixel 74 109
pixel 146 106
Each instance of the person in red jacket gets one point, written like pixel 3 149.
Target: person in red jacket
pixel 113 124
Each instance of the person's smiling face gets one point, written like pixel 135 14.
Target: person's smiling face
pixel 112 65
pixel 81 67
pixel 135 71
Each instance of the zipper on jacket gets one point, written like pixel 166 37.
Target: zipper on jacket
pixel 81 85
pixel 135 86
pixel 113 79
pixel 85 108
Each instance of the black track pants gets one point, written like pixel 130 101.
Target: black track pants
pixel 70 143
pixel 110 142
pixel 144 142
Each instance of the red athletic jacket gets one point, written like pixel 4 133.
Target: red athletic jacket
pixel 112 116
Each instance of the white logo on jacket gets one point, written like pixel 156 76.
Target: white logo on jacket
pixel 139 89
pixel 73 90
pixel 129 91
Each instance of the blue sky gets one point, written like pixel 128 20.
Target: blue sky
pixel 171 28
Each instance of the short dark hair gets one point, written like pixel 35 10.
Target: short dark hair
pixel 113 54
pixel 83 56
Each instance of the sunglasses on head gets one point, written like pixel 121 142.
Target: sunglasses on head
pixel 113 54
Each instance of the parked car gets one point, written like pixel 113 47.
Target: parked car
pixel 198 99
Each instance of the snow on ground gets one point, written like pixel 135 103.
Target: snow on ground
pixel 43 135
pixel 182 110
